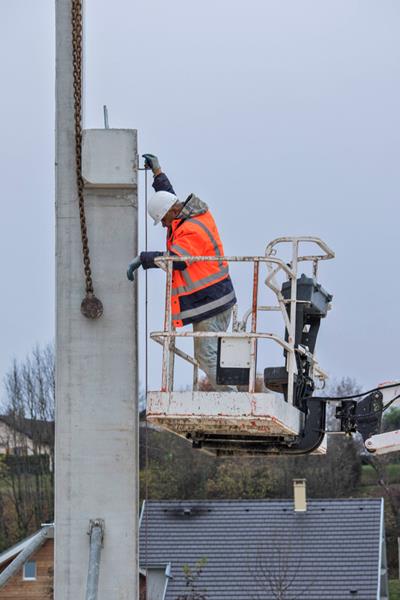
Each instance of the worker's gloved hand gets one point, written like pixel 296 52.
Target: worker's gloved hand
pixel 151 162
pixel 134 265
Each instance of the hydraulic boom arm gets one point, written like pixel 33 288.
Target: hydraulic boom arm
pixel 365 417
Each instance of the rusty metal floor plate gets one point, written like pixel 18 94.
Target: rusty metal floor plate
pixel 226 423
pixel 228 413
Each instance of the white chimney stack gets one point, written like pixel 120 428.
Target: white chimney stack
pixel 300 499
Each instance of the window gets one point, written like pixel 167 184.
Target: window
pixel 29 570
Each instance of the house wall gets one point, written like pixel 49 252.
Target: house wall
pixel 156 582
pixel 40 589
pixel 10 438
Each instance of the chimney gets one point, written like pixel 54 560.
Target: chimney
pixel 300 500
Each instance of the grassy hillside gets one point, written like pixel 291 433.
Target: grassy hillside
pixel 394 589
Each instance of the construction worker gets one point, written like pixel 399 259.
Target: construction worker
pixel 202 292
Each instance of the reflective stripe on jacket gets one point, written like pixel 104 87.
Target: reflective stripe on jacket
pixel 204 288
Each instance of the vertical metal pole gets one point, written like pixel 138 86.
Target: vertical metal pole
pixel 171 359
pixel 167 329
pixel 96 532
pixel 253 341
pixel 292 328
pixel 235 318
pixel 105 111
pixel 315 269
pixel 195 378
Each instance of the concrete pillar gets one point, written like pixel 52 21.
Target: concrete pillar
pixel 96 370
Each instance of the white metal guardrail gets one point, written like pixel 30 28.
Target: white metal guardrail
pixel 168 336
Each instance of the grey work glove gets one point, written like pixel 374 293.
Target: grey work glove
pixel 151 162
pixel 134 265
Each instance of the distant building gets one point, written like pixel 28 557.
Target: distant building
pixel 35 580
pixel 245 550
pixel 333 550
pixel 24 437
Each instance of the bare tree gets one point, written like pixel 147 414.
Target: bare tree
pixel 277 571
pixel 27 438
pixel 30 386
pixel 346 386
pixel 192 576
pixel 391 493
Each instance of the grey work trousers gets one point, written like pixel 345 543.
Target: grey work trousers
pixel 206 349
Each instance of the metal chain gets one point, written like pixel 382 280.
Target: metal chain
pixel 91 307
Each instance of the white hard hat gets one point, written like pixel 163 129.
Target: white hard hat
pixel 159 205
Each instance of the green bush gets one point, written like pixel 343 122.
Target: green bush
pixel 369 476
pixel 394 589
pixel 36 464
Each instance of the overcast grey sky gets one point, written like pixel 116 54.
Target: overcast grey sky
pixel 283 116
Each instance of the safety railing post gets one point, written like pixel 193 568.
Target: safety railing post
pixel 253 341
pixel 195 378
pixel 165 385
pixel 171 364
pixel 292 324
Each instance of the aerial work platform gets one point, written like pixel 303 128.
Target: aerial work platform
pixel 278 419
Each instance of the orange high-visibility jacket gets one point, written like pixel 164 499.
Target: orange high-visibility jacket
pixel 203 289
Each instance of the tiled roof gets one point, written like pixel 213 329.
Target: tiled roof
pixel 330 552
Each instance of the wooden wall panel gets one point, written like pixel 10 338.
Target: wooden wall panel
pixel 18 589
